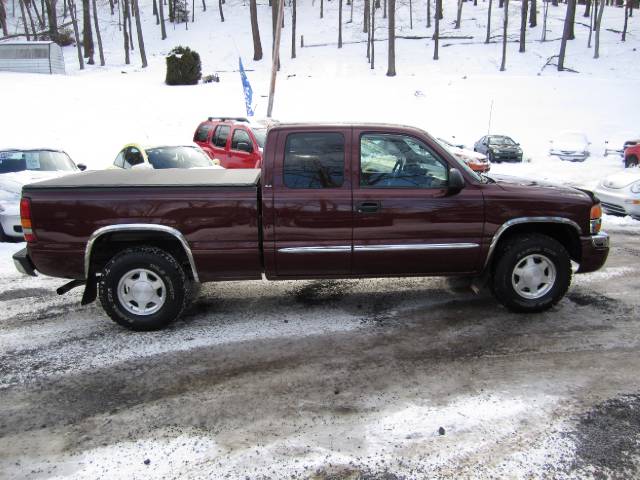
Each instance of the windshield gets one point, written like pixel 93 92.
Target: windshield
pixel 261 135
pixel 500 140
pixel 34 160
pixel 177 157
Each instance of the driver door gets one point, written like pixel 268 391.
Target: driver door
pixel 405 219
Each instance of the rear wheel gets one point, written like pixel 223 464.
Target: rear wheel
pixel 631 161
pixel 532 273
pixel 143 288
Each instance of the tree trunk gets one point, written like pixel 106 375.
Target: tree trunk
pixel 373 38
pixel 204 5
pixel 76 33
pixel 391 70
pixel 488 36
pixel 24 21
pixel 410 15
pixel 163 29
pixel 221 12
pixel 125 34
pixel 568 20
pixel 523 25
pixel 384 9
pixel 587 9
pixel 110 6
pixel 274 19
pixel 501 4
pixel 339 24
pixel 87 34
pixel 503 64
pixel 143 53
pixel 626 21
pixel 128 19
pixel 38 17
pixel 365 21
pixel 321 8
pixel 436 32
pixel 98 37
pixel 596 50
pixel 155 11
pixel 3 19
pixel 33 25
pixel 591 24
pixel 544 22
pixel 533 14
pixel 52 14
pixel 458 15
pixel 428 13
pixel 275 66
pixel 255 31
pixel 572 34
pixel 293 27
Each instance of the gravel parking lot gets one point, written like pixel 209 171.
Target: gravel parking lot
pixel 372 379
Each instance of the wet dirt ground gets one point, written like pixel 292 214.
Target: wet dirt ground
pixel 372 379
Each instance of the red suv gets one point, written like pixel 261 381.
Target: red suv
pixel 232 142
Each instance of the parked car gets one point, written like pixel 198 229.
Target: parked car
pixel 631 153
pixel 232 142
pixel 161 157
pixel 616 144
pixel 330 201
pixel 476 161
pixel 571 146
pixel 19 167
pixel 620 193
pixel 499 148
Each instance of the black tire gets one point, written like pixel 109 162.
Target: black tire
pixel 631 161
pixel 513 254
pixel 161 265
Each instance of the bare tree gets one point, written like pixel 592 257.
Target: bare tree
pixel 544 21
pixel 24 21
pixel 76 33
pixel 204 5
pixel 587 9
pixel 458 15
pixel 255 30
pixel 566 33
pixel 3 19
pixel 339 23
pixel 293 27
pixel 98 37
pixel 87 34
pixel 436 32
pixel 125 14
pixel 523 25
pixel 596 50
pixel 428 13
pixel 143 54
pixel 626 20
pixel 321 8
pixel 221 13
pixel 52 15
pixel 33 25
pixel 391 70
pixel 533 15
pixel 503 64
pixel 592 20
pixel 373 37
pixel 163 30
pixel 35 9
pixel 572 22
pixel 488 36
pixel 365 22
pixel 410 15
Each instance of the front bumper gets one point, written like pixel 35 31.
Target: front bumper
pixel 570 157
pixel 23 263
pixel 595 250
pixel 618 203
pixel 10 224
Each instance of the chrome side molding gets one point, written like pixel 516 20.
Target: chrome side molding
pixel 128 227
pixel 379 248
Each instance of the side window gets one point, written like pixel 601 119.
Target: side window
pixel 202 133
pixel 397 161
pixel 314 160
pixel 241 141
pixel 132 157
pixel 119 161
pixel 220 136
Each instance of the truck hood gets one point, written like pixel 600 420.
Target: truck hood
pixel 524 185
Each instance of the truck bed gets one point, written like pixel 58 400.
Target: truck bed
pixel 216 210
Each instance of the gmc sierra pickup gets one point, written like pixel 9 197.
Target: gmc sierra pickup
pixel 330 201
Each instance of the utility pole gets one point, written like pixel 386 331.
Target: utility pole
pixel 276 55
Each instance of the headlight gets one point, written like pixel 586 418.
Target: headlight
pixel 635 187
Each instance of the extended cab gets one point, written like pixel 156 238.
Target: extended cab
pixel 330 201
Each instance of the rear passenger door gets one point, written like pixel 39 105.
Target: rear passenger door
pixel 312 224
pixel 219 142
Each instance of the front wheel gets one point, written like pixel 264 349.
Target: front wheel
pixel 532 273
pixel 143 288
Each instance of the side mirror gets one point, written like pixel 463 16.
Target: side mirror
pixel 456 181
pixel 82 167
pixel 244 147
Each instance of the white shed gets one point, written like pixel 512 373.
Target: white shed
pixel 31 57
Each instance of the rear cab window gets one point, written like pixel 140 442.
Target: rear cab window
pixel 314 160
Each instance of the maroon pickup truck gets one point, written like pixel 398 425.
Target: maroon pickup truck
pixel 330 201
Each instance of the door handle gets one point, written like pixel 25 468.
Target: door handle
pixel 369 207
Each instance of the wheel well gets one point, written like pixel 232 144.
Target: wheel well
pixel 566 235
pixel 111 243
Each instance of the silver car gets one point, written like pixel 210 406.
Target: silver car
pixel 620 193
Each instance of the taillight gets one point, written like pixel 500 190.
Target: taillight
pixel 25 220
pixel 596 218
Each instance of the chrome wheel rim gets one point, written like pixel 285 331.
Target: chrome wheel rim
pixel 141 292
pixel 533 276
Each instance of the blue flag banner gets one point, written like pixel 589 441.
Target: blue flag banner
pixel 248 92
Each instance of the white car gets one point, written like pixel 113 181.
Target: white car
pixel 20 167
pixel 478 162
pixel 571 146
pixel 620 193
pixel 137 156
